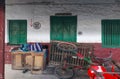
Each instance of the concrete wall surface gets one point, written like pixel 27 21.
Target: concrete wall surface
pixel 89 14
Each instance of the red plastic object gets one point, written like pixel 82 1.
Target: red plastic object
pixel 93 75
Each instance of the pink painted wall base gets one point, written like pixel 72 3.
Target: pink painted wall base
pixel 98 51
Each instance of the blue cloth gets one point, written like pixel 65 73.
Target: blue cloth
pixel 24 47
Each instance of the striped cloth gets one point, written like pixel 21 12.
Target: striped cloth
pixel 37 47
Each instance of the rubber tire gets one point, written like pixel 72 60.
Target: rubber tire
pixel 68 73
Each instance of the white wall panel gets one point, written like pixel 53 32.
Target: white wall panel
pixel 89 18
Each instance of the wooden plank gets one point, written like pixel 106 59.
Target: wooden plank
pixel 28 61
pixel 38 63
pixel 18 60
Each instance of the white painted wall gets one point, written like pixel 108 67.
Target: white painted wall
pixel 89 17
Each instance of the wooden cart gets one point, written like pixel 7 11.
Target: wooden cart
pixel 34 61
pixel 56 56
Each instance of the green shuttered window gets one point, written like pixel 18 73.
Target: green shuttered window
pixel 111 33
pixel 17 31
pixel 63 28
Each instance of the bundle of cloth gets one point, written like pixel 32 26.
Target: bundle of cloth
pixel 36 47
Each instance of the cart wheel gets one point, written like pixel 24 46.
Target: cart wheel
pixel 63 73
pixel 67 47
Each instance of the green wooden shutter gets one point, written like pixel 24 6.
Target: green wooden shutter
pixel 63 28
pixel 56 32
pixel 111 33
pixel 70 28
pixel 17 31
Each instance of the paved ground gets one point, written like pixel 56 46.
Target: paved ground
pixel 17 74
pixel 48 74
